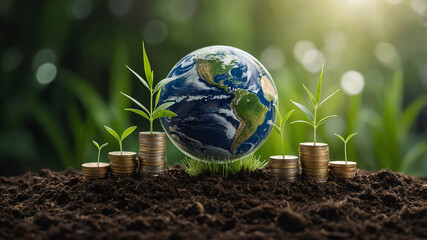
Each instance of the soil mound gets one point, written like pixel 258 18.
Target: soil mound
pixel 62 205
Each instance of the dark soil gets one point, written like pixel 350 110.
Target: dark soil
pixel 52 205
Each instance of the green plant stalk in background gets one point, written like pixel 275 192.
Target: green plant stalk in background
pixel 126 133
pixel 345 143
pixel 315 100
pixel 279 126
pixel 225 168
pixel 99 148
pixel 156 112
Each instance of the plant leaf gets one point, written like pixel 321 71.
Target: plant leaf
pixel 287 116
pixel 164 113
pixel 162 84
pixel 139 77
pixel 147 67
pixel 127 132
pixel 302 121
pixel 278 115
pixel 305 110
pixel 139 112
pixel 136 102
pixel 319 85
pixel 103 145
pixel 340 137
pixel 323 120
pixel 112 132
pixel 163 106
pixel 95 143
pixel 278 131
pixel 324 100
pixel 350 136
pixel 310 95
pixel 157 99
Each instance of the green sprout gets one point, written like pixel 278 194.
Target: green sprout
pixel 99 148
pixel 126 133
pixel 279 126
pixel 315 100
pixel 345 143
pixel 155 111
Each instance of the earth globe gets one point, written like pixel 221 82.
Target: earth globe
pixel 224 100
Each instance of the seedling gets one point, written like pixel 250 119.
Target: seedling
pixel 126 133
pixel 99 148
pixel 345 143
pixel 155 111
pixel 279 126
pixel 315 100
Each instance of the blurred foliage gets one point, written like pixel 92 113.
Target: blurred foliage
pixel 62 67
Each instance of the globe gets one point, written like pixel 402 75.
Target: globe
pixel 224 100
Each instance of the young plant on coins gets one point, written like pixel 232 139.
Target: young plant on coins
pixel 314 156
pixel 93 170
pixel 283 166
pixel 152 152
pixel 343 169
pixel 122 162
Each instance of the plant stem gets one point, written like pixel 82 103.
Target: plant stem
pixel 315 125
pixel 345 152
pixel 99 152
pixel 283 145
pixel 120 143
pixel 151 112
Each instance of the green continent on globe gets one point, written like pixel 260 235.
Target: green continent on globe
pixel 246 105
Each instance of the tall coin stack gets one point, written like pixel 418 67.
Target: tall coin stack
pixel 124 164
pixel 314 160
pixel 284 168
pixel 339 169
pixel 152 152
pixel 93 171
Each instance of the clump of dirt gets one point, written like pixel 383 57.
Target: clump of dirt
pixel 52 205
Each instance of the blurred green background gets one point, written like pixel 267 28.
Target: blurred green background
pixel 62 65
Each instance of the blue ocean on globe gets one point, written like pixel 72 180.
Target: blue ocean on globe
pixel 224 99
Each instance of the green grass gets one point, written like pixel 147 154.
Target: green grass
pixel 225 168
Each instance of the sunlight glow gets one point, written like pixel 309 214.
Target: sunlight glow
pixel 155 32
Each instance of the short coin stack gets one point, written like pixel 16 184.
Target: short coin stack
pixel 314 160
pixel 152 152
pixel 124 163
pixel 339 169
pixel 93 171
pixel 284 168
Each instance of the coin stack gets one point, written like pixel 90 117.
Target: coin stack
pixel 152 152
pixel 339 169
pixel 284 168
pixel 314 160
pixel 123 164
pixel 93 171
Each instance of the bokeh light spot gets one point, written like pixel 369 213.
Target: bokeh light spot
pixel 46 73
pixel 272 58
pixel 81 8
pixel 387 54
pixel 313 60
pixel 155 32
pixel 352 82
pixel 301 47
pixel 43 56
pixel 420 7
